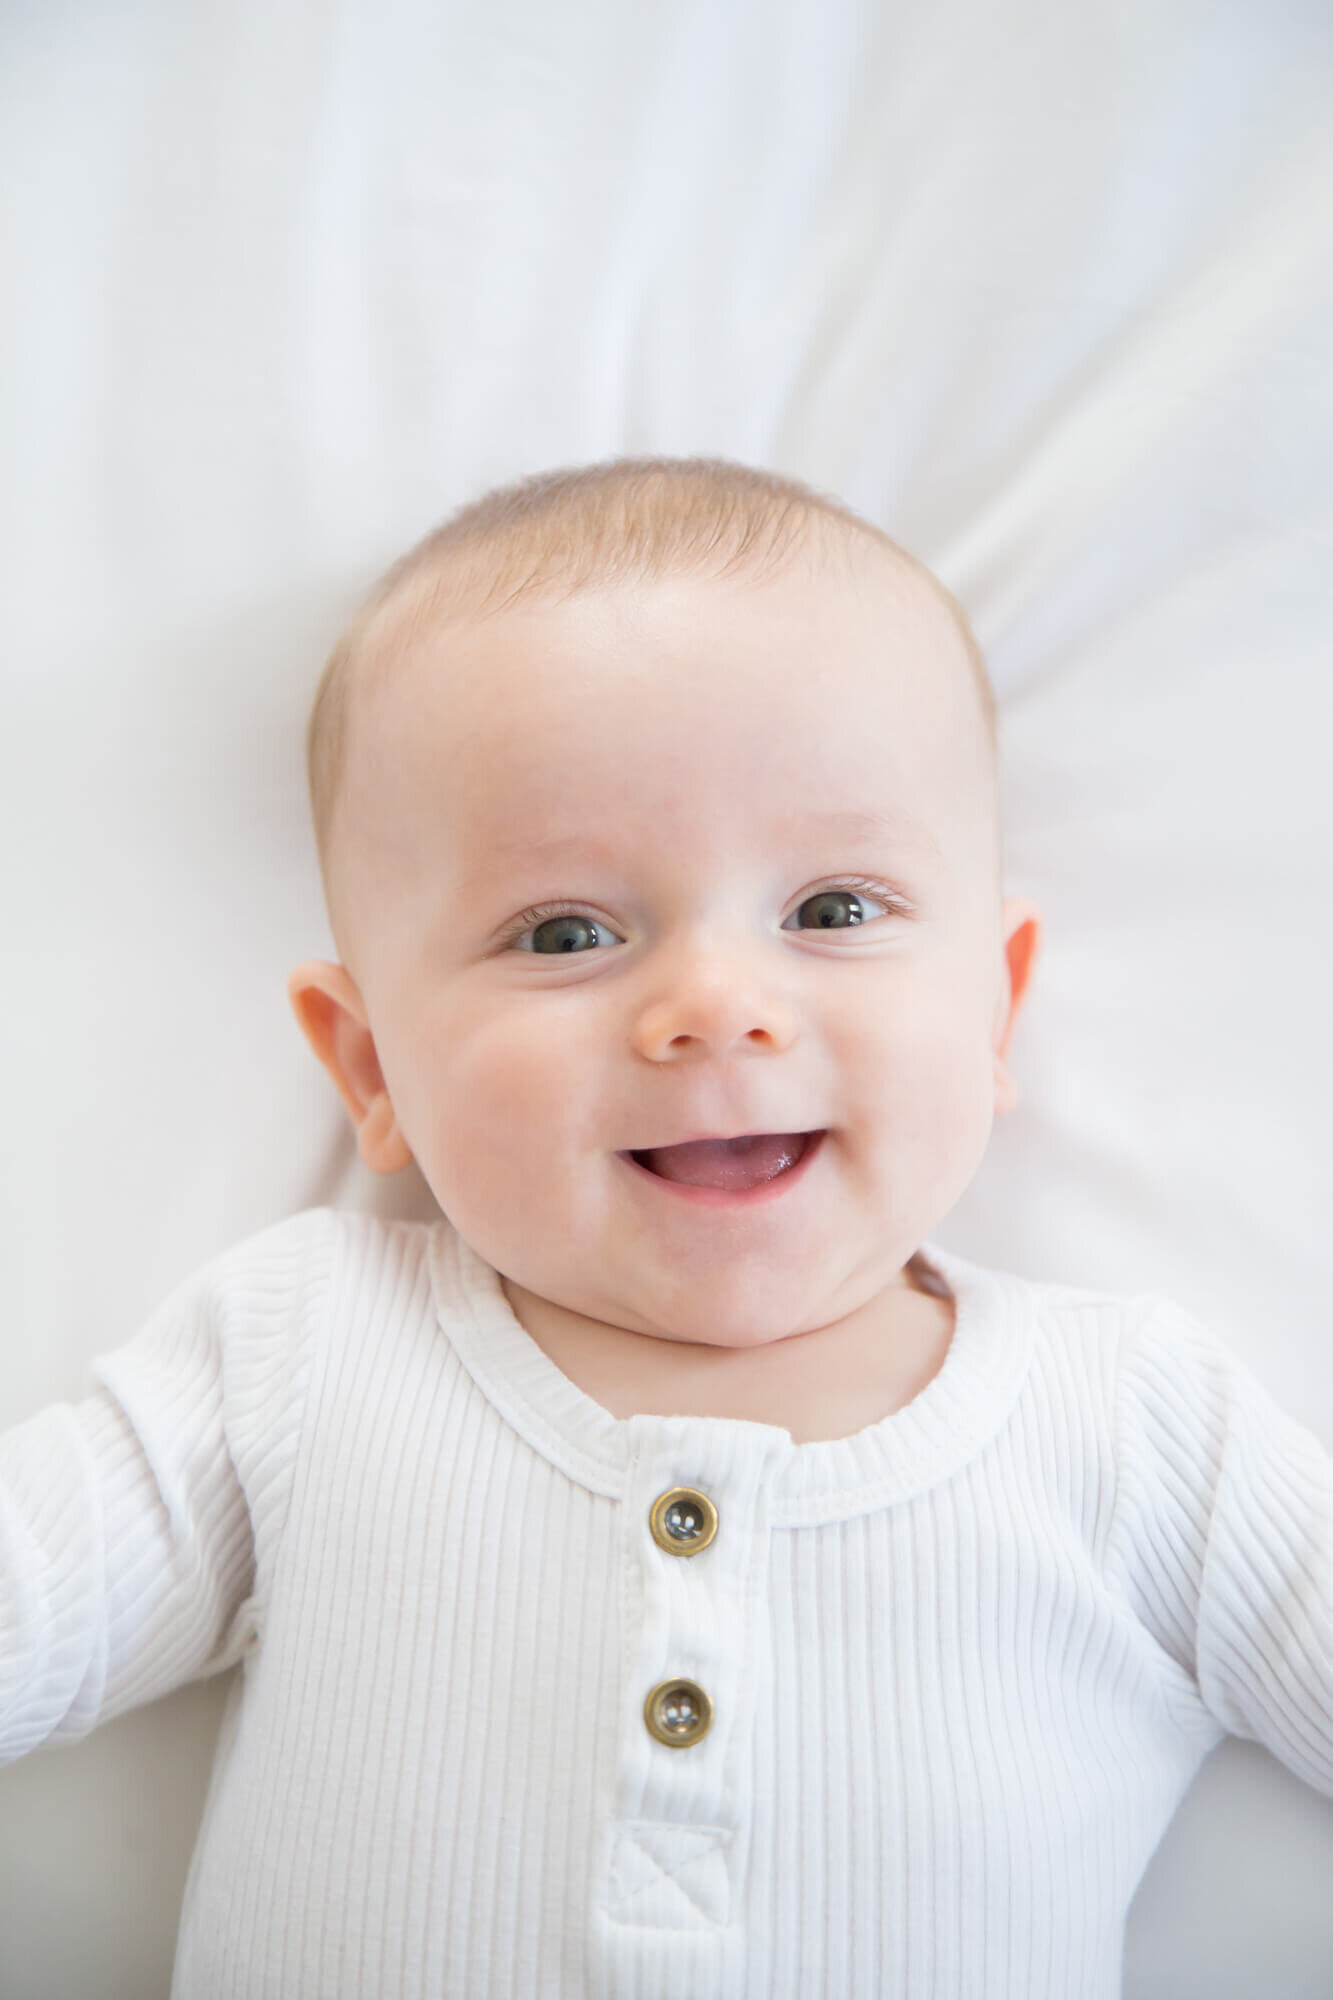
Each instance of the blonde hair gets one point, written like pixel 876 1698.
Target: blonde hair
pixel 560 532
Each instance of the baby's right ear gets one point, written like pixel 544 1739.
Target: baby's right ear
pixel 333 1020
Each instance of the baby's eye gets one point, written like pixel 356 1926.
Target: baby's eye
pixel 566 931
pixel 831 910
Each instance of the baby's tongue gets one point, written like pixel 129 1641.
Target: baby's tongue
pixel 726 1163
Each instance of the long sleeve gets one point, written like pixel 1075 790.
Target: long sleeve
pixel 1224 1527
pixel 129 1560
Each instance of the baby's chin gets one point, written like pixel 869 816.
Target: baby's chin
pixel 713 1317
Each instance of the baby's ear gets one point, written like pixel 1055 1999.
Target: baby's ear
pixel 1022 935
pixel 333 1020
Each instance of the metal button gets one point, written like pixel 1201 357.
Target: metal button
pixel 683 1521
pixel 678 1713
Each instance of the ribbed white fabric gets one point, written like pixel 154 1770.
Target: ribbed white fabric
pixel 963 1665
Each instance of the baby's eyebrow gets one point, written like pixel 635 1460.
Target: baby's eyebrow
pixel 892 825
pixel 501 854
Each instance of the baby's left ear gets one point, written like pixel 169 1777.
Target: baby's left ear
pixel 1022 936
pixel 333 1020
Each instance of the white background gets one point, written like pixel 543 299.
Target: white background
pixel 1046 290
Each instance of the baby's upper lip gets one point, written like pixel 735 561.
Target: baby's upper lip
pixel 704 1138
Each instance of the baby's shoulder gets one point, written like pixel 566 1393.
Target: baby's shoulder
pixel 1122 1334
pixel 1096 1311
pixel 1144 1355
pixel 294 1276
pixel 318 1238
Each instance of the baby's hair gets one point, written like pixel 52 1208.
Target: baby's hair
pixel 556 533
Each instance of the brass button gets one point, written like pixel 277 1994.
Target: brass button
pixel 683 1521
pixel 678 1713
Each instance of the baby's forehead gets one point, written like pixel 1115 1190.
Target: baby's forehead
pixel 441 622
pixel 706 684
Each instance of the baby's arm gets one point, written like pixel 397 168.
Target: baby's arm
pixel 1225 1526
pixel 128 1557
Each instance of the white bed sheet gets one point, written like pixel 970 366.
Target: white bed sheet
pixel 1047 291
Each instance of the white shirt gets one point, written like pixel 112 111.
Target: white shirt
pixel 962 1666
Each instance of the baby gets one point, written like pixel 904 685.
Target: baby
pixel 667 1575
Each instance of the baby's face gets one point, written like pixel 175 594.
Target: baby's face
pixel 767 809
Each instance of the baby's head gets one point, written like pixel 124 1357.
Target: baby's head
pixel 657 801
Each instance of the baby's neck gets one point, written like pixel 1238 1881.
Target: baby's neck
pixel 826 1384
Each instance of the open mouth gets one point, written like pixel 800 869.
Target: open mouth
pixel 729 1167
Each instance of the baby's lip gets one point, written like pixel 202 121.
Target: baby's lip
pixel 720 1138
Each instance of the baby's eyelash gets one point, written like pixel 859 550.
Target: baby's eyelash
pixel 881 891
pixel 541 913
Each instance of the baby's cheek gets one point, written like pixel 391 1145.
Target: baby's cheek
pixel 490 1102
pixel 497 1150
pixel 936 1073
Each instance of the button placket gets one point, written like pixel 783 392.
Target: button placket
pixel 695 1555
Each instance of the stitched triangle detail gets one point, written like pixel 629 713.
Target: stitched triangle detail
pixel 670 1877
